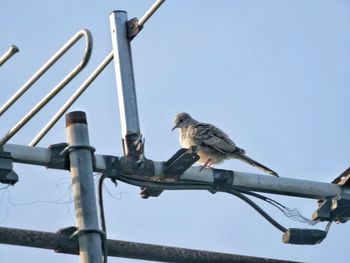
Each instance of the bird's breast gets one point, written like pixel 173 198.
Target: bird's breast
pixel 186 139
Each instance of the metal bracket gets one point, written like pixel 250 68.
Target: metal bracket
pixel 58 157
pixel 67 243
pixel 133 28
pixel 337 208
pixel 68 238
pixel 323 213
pixel 174 168
pixel 181 161
pixel 112 167
pixel 223 180
pixel 7 175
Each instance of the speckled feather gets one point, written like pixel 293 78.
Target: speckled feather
pixel 214 144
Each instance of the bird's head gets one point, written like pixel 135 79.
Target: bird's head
pixel 181 120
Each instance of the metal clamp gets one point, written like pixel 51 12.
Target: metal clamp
pixel 66 244
pixel 68 238
pixel 133 28
pixel 336 208
pixel 7 175
pixel 71 148
pixel 80 232
pixel 57 159
pixel 112 167
pixel 223 180
pixel 174 168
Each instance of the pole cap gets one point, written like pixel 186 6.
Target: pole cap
pixel 75 117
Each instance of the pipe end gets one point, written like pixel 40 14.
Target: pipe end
pixel 75 117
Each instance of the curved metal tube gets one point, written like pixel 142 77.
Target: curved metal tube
pixel 49 63
pixel 72 99
pixel 13 50
pixel 88 49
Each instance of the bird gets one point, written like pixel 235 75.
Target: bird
pixel 214 145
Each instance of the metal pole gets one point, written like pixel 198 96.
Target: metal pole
pixel 12 50
pixel 124 249
pixel 125 81
pixel 83 188
pixel 150 12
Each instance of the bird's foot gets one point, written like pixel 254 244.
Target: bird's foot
pixel 207 164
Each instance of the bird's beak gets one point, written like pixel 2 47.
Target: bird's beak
pixel 174 127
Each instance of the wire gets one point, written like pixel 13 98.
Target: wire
pixel 191 185
pixel 102 216
pixel 258 209
pixel 293 214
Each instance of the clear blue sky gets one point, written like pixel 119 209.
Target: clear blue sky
pixel 272 74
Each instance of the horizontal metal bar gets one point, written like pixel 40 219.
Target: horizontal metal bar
pixel 28 155
pixel 250 181
pixel 150 12
pixel 270 184
pixel 41 156
pixel 12 50
pixel 124 249
pixel 72 99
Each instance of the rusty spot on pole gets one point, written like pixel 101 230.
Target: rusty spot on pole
pixel 75 117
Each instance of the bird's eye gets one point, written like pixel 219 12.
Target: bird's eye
pixel 180 120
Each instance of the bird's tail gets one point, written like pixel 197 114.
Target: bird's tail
pixel 240 154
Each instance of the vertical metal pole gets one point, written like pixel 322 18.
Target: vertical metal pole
pixel 83 188
pixel 125 81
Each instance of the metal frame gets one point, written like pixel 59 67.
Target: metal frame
pixel 125 82
pixel 133 168
pixel 72 99
pixel 125 169
pixel 87 53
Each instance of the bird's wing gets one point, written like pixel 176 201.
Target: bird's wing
pixel 209 135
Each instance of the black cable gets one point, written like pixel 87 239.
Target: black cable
pixel 102 216
pixel 137 180
pixel 100 202
pixel 262 197
pixel 258 209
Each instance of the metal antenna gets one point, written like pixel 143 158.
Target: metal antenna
pixel 72 99
pixel 89 80
pixel 12 50
pixel 175 174
pixel 150 12
pixel 55 90
pixel 82 33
